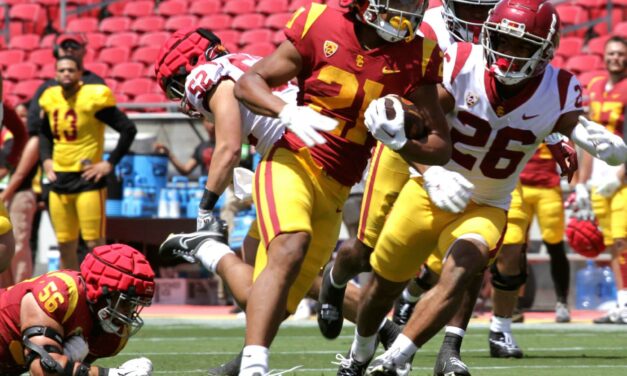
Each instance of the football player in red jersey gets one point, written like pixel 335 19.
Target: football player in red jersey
pixel 343 59
pixel 60 322
pixel 608 199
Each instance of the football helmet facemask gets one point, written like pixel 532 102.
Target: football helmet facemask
pixel 119 283
pixel 536 23
pixel 466 27
pixel 394 20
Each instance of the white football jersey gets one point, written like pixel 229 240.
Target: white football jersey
pixel 260 131
pixel 434 27
pixel 494 139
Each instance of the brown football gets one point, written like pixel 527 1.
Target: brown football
pixel 415 128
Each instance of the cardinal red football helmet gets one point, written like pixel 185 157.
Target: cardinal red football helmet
pixel 120 283
pixel 402 17
pixel 185 49
pixel 584 237
pixel 533 21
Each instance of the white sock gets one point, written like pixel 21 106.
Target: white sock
pixel 501 324
pixel 363 348
pixel 622 298
pixel 455 330
pixel 401 350
pixel 336 285
pixel 211 252
pixel 254 359
pixel 409 297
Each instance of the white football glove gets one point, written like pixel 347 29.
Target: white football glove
pixel 448 190
pixel 582 203
pixel 134 367
pixel 75 348
pixel 607 185
pixel 389 132
pixel 243 183
pixel 609 147
pixel 306 122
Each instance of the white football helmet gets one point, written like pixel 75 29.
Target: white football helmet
pixel 464 18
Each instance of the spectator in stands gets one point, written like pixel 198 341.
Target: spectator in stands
pixel 71 150
pixel 12 140
pixel 201 156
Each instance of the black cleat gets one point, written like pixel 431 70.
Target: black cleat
pixel 449 362
pixel 184 246
pixel 388 334
pixel 230 368
pixel 503 345
pixel 402 311
pixel 349 366
pixel 329 308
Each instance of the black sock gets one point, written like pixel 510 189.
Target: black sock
pixel 560 270
pixel 388 333
pixel 452 341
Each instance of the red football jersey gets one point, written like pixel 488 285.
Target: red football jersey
pixel 608 107
pixel 339 78
pixel 541 170
pixel 63 297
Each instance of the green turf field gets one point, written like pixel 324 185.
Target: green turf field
pixel 187 348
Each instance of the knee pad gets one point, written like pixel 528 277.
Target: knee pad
pixel 507 282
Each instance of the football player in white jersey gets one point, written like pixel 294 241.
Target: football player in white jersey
pixel 502 100
pixel 194 68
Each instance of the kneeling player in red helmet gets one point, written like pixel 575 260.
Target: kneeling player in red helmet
pixel 60 322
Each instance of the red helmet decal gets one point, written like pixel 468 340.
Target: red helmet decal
pixel 585 238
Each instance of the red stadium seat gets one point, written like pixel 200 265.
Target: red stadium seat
pixel 26 88
pixel 114 55
pixel 83 25
pixel 584 63
pixel 277 21
pixel 148 24
pixel 572 15
pixel 127 71
pixel 21 71
pixel 272 6
pixel 25 42
pixel 9 57
pixel 127 39
pixel 558 61
pixel 248 21
pixel 40 56
pixel 47 41
pixel 585 77
pixel 256 36
pixel 32 17
pixel 230 37
pixel 96 40
pixel 115 24
pixel 259 49
pixel 239 7
pixel 122 98
pixel 112 84
pixel 278 37
pixel 117 8
pixel 47 71
pixel 621 29
pixel 178 22
pixel 597 45
pixel 156 38
pixel 139 8
pixel 295 4
pixel 172 8
pixel 216 22
pixel 90 55
pixel 570 46
pixel 205 7
pixel 146 55
pixel 99 68
pixel 617 16
pixel 136 86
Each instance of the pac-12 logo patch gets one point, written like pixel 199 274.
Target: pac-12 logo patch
pixel 329 48
pixel 471 99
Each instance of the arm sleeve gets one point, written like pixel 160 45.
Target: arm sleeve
pixel 116 119
pixel 15 125
pixel 46 140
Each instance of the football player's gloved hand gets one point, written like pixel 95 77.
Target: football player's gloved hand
pixel 448 190
pixel 206 221
pixel 564 154
pixel 608 185
pixel 391 132
pixel 134 367
pixel 583 207
pixel 609 147
pixel 75 348
pixel 306 122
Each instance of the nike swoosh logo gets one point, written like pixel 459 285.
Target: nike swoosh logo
pixel 388 133
pixel 525 117
pixel 183 242
pixel 388 70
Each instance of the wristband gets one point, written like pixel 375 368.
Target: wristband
pixel 208 200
